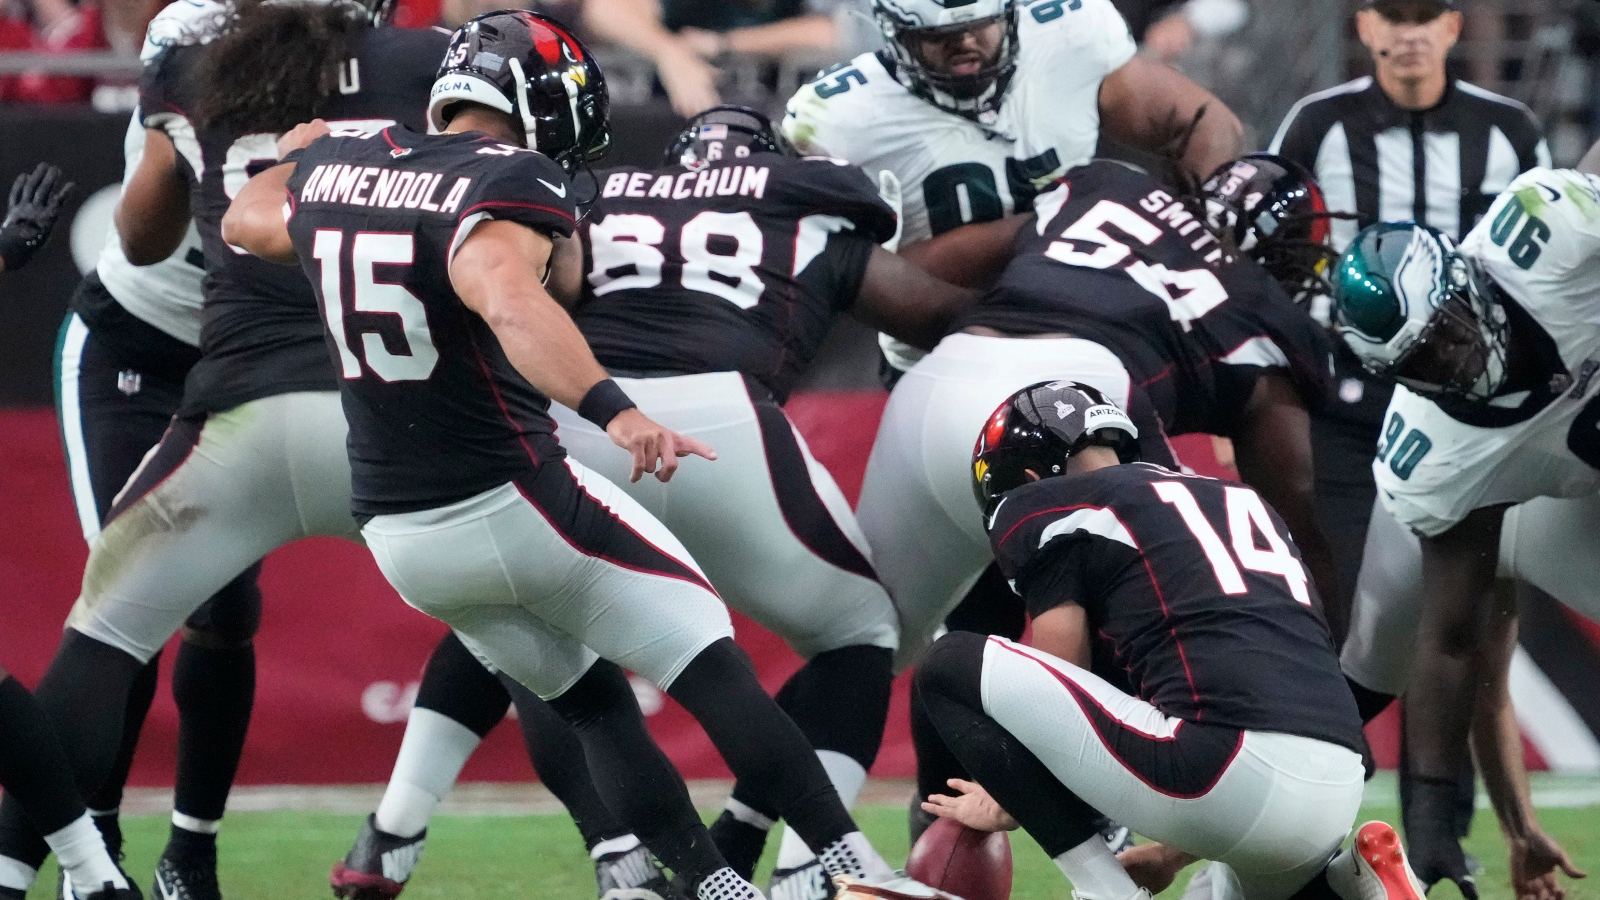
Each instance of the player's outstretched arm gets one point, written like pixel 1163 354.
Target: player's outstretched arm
pixel 31 212
pixel 970 256
pixel 1150 105
pixel 1272 449
pixel 153 215
pixel 1458 612
pixel 907 303
pixel 497 273
pixel 255 219
pixel 1497 747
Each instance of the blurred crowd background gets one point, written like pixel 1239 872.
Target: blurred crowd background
pixel 1259 55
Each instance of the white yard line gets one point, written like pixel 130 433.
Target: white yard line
pixel 491 799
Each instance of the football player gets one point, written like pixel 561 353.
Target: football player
pixel 1116 280
pixel 974 108
pixel 1490 456
pixel 714 357
pixel 128 342
pixel 33 767
pixel 1222 726
pixel 468 502
pixel 255 457
pixel 1119 281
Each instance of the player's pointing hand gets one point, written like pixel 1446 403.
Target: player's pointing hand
pixel 655 448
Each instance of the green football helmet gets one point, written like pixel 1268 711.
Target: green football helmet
pixel 1418 312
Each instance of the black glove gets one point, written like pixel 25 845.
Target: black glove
pixel 1435 851
pixel 35 203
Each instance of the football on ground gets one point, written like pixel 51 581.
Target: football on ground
pixel 971 864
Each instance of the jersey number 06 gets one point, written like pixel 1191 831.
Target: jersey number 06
pixel 369 295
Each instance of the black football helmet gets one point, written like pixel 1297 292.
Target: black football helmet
pixel 1040 427
pixel 725 131
pixel 529 66
pixel 1271 210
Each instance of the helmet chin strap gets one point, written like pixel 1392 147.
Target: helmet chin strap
pixel 524 109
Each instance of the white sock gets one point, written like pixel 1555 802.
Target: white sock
pixel 615 845
pixel 725 884
pixel 848 777
pixel 82 854
pixel 431 756
pixel 854 855
pixel 198 826
pixel 747 814
pixel 1095 873
pixel 15 875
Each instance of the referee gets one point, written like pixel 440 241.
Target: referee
pixel 1406 144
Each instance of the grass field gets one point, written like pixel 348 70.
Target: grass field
pixel 277 855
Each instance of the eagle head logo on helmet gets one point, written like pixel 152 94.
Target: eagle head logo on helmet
pixel 1038 429
pixel 530 67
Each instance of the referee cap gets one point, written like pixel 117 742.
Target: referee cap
pixel 1439 6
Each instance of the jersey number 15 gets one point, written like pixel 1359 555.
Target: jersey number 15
pixel 369 295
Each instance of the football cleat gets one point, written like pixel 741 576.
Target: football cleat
pixel 1117 837
pixel 1374 867
pixel 898 887
pixel 633 875
pixel 807 882
pixel 378 866
pixel 179 878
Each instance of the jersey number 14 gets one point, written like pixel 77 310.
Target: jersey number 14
pixel 1247 516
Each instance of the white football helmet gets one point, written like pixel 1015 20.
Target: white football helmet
pixel 977 95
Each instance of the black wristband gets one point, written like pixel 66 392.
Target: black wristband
pixel 603 402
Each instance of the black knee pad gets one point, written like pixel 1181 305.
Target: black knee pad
pixel 456 685
pixel 953 669
pixel 232 616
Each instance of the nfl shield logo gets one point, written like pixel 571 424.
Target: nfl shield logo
pixel 128 382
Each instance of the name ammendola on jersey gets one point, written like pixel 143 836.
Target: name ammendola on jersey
pixel 373 187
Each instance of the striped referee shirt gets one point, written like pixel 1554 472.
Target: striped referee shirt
pixel 1442 166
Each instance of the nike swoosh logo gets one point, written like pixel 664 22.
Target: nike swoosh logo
pixel 1555 195
pixel 167 893
pixel 558 191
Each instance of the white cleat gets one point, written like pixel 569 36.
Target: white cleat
pixel 1374 868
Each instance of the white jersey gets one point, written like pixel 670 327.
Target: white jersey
pixel 1540 242
pixel 167 295
pixel 953 170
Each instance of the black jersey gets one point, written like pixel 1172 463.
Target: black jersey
pixel 259 333
pixel 1193 586
pixel 1115 258
pixel 739 266
pixel 436 412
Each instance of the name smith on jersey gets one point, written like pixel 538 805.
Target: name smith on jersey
pixel 386 188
